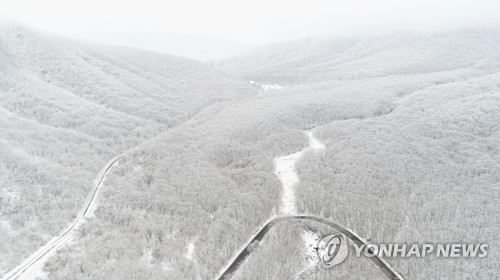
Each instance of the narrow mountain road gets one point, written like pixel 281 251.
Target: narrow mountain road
pixel 285 171
pixel 33 264
pixel 380 262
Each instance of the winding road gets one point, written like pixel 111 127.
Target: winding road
pixel 31 267
pixel 33 264
pixel 285 170
pixel 380 262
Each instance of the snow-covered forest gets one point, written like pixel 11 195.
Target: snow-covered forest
pixel 67 108
pixel 409 123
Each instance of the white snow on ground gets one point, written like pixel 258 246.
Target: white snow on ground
pixel 9 194
pixel 190 256
pixel 285 170
pixel 266 87
pixel 310 239
pixel 167 266
pixel 147 257
pixel 5 225
pixel 190 251
pixel 270 87
pixel 314 143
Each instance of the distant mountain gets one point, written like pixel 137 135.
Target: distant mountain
pixel 137 87
pixel 315 60
pixel 273 59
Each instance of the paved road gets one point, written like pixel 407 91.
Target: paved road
pixel 380 262
pixel 28 268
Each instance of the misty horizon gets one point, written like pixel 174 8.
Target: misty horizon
pixel 220 29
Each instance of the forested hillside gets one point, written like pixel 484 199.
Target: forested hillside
pixel 318 60
pixel 66 108
pixel 410 124
pixel 210 183
pixel 425 172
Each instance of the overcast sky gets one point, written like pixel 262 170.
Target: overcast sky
pixel 203 29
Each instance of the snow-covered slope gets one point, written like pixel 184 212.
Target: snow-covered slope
pixel 315 60
pixel 409 124
pixel 272 60
pixel 67 107
pixel 144 85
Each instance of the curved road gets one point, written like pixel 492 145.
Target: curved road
pixel 380 262
pixel 32 264
pixel 29 267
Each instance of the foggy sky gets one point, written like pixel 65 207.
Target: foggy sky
pixel 204 29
